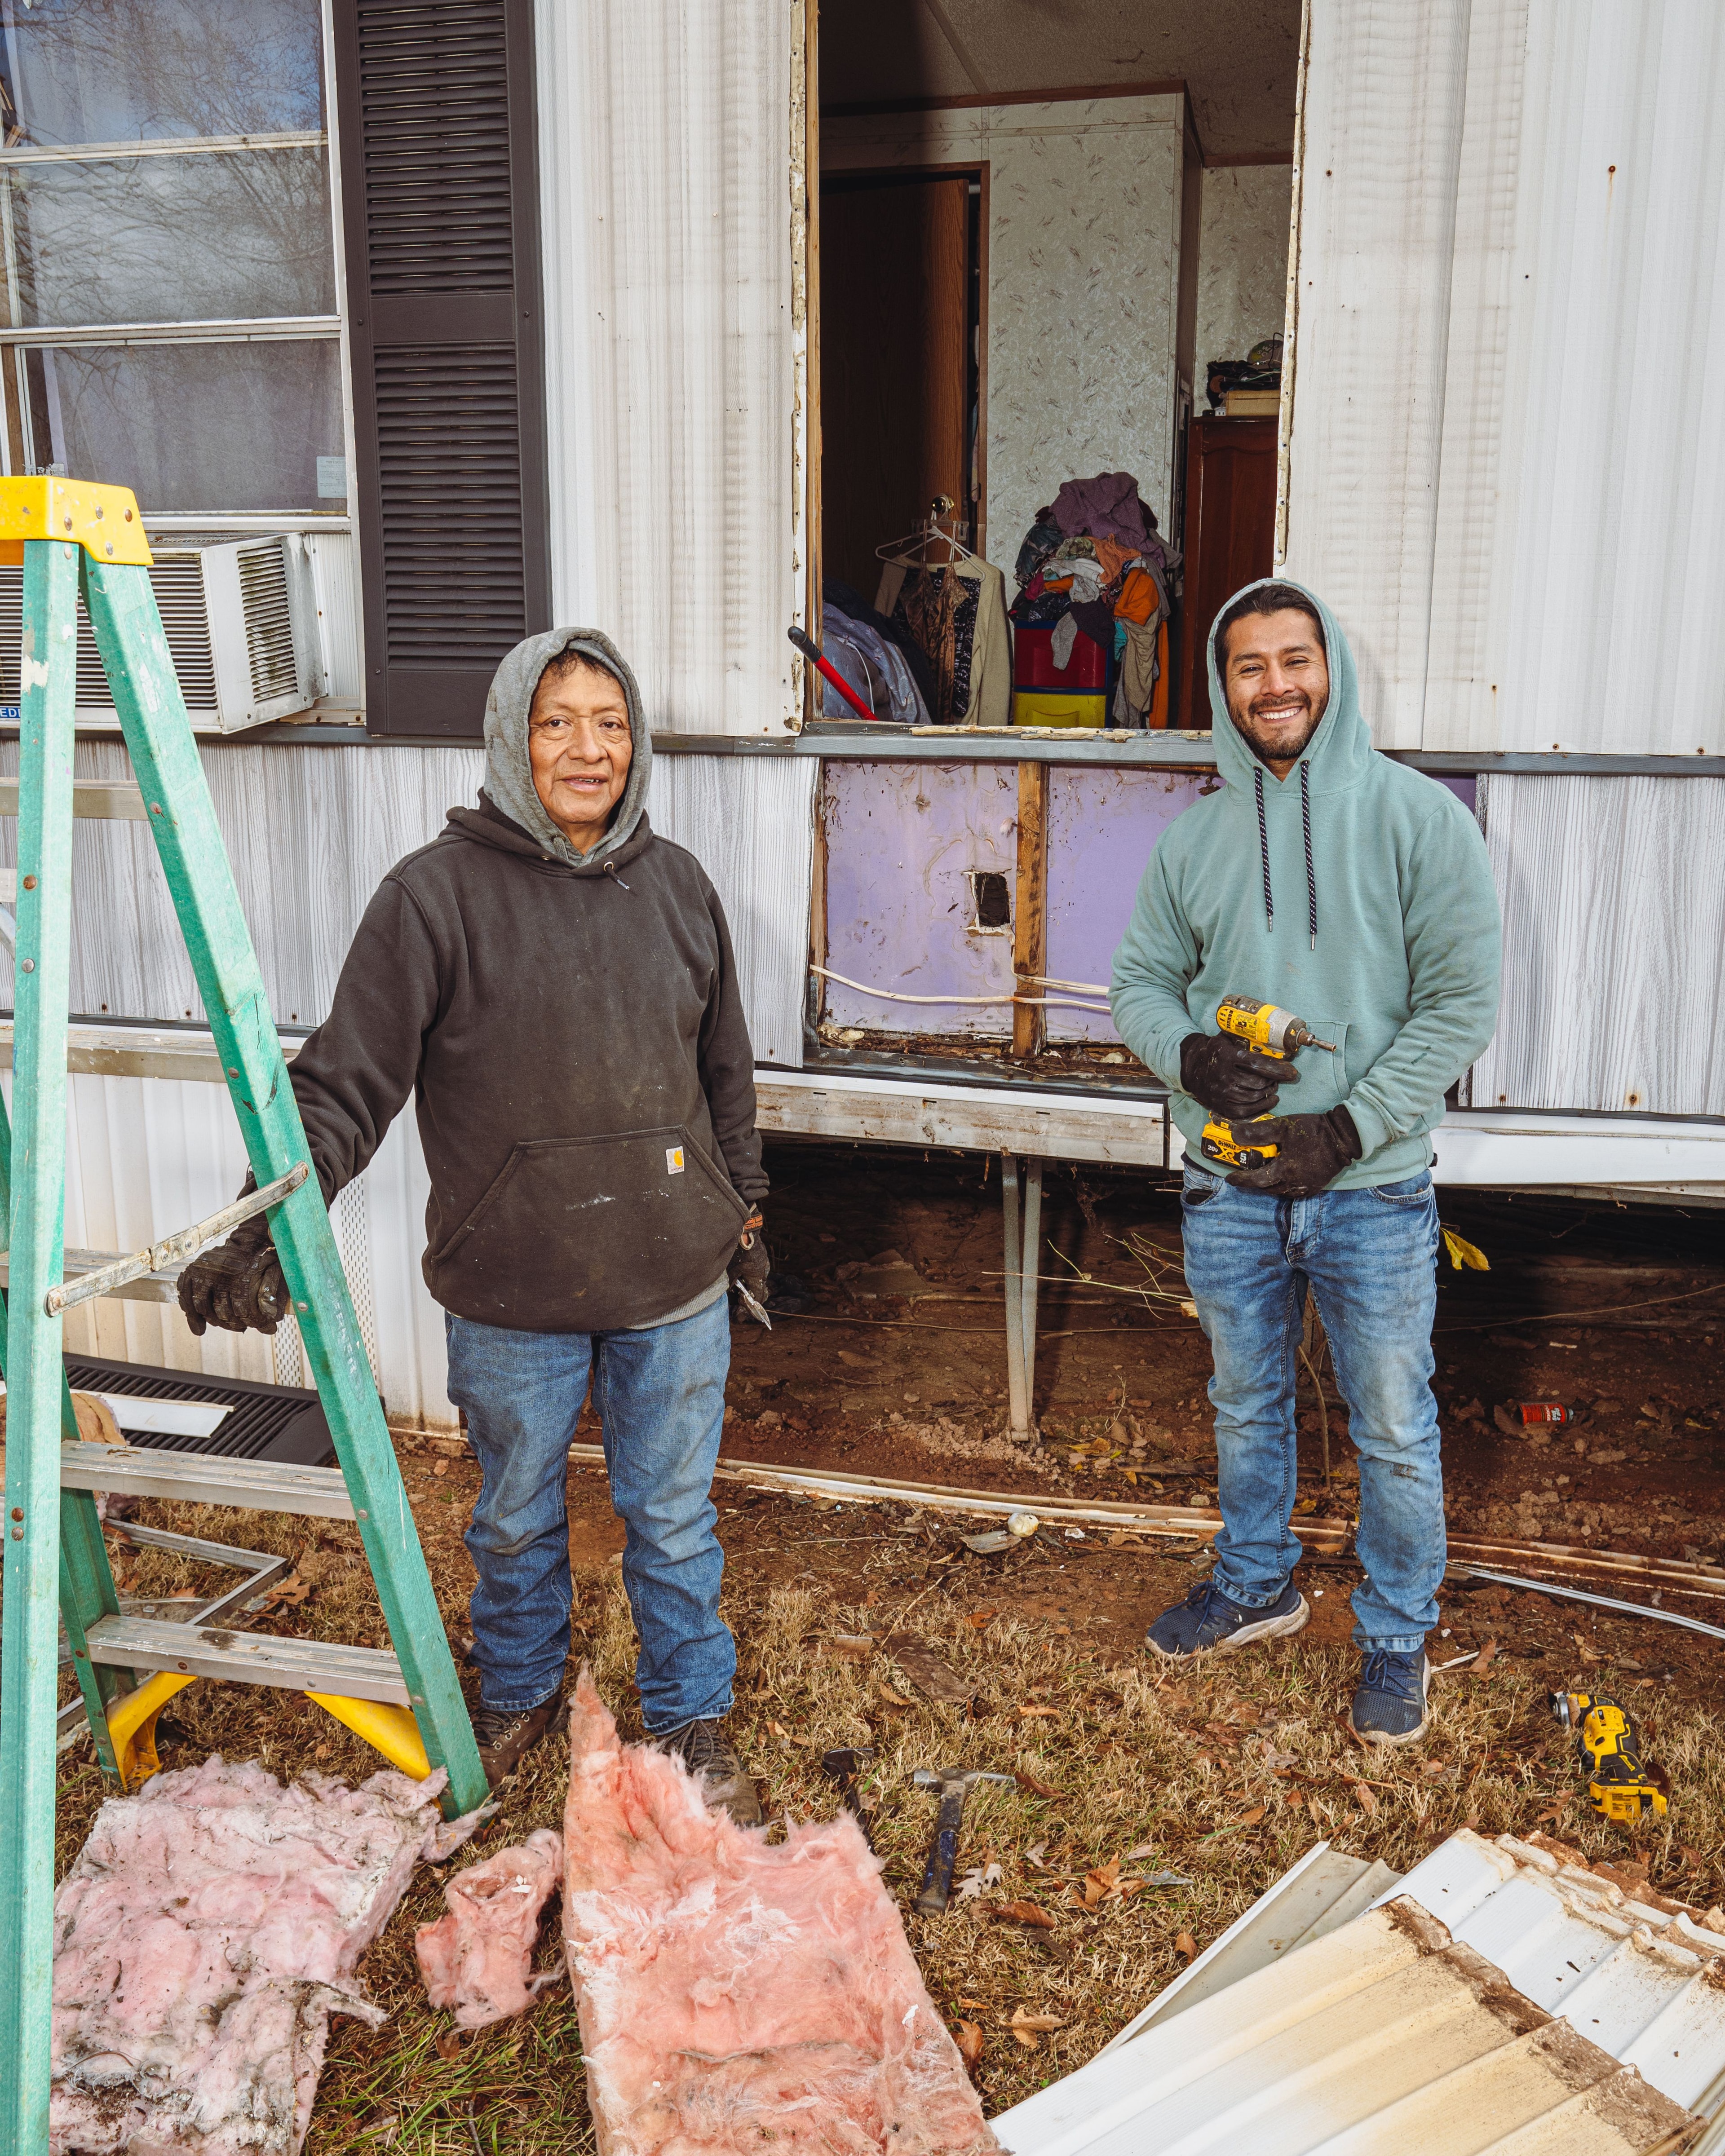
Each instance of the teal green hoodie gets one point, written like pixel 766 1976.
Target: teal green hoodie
pixel 1367 907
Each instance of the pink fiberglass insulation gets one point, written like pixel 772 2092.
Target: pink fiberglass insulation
pixel 209 1927
pixel 733 1993
pixel 478 1958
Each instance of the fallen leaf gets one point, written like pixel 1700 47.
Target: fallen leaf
pixel 930 1675
pixel 1184 1944
pixel 1252 1817
pixel 1484 1660
pixel 448 2044
pixel 978 1618
pixel 1143 1848
pixel 1366 1801
pixel 851 1646
pixel 1028 1713
pixel 1022 1912
pixel 289 1593
pixel 1028 2028
pixel 778 1729
pixel 894 1699
pixel 1026 1780
pixel 1036 1856
pixel 968 2035
pixel 973 1882
pixel 1100 1884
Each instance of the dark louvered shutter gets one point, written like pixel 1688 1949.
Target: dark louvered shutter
pixel 439 185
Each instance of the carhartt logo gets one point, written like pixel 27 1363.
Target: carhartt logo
pixel 674 1160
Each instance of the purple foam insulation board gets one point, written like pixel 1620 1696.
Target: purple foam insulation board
pixel 1102 826
pixel 1465 786
pixel 905 844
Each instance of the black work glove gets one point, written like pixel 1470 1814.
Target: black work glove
pixel 749 1262
pixel 1311 1151
pixel 238 1285
pixel 1230 1077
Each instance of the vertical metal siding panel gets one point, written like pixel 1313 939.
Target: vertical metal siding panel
pixel 1477 471
pixel 667 193
pixel 1614 910
pixel 1580 537
pixel 1383 116
pixel 750 824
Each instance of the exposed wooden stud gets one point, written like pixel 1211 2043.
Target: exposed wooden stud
pixel 1030 913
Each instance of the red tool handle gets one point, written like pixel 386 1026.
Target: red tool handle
pixel 811 650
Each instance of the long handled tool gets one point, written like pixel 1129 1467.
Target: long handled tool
pixel 811 651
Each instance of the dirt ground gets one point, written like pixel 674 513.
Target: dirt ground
pixel 887 1356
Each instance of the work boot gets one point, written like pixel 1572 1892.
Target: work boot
pixel 1389 1704
pixel 1206 1620
pixel 711 1756
pixel 504 1734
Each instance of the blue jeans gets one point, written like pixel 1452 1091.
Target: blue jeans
pixel 660 1394
pixel 1370 1257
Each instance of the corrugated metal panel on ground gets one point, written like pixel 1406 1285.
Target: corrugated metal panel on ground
pixel 1639 1978
pixel 1509 402
pixel 670 148
pixel 1613 945
pixel 1383 2037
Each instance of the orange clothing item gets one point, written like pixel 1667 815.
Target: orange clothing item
pixel 1113 554
pixel 1139 599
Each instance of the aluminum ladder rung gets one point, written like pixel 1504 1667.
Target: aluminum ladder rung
pixel 163 1286
pixel 255 1658
pixel 196 1478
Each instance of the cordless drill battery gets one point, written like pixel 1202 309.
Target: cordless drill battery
pixel 1273 1032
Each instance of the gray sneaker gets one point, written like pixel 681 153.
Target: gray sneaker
pixel 1389 1703
pixel 710 1756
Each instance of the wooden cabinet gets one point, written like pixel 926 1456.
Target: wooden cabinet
pixel 1231 537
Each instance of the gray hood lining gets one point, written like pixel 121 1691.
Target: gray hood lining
pixel 509 773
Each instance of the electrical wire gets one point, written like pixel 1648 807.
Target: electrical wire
pixel 1570 1316
pixel 893 996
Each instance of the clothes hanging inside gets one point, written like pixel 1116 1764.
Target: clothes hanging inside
pixel 956 611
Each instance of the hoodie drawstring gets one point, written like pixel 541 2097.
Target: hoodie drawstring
pixel 1264 849
pixel 1263 853
pixel 611 871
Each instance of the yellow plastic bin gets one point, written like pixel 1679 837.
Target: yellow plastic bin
pixel 1059 707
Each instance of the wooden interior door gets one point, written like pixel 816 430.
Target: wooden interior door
pixel 1231 537
pixel 894 286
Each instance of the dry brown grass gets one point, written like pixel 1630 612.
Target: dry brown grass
pixel 1225 1775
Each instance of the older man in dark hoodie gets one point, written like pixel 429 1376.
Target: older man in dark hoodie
pixel 554 984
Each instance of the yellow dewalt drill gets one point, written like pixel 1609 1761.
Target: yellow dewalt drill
pixel 1272 1031
pixel 1620 1784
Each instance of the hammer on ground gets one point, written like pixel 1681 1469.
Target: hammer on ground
pixel 953 1785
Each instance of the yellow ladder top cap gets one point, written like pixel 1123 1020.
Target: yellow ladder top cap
pixel 105 520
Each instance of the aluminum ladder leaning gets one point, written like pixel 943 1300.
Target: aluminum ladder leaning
pixel 79 539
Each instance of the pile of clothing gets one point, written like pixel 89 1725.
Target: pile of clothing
pixel 1094 565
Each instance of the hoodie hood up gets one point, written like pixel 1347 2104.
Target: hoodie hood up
pixel 509 771
pixel 1336 758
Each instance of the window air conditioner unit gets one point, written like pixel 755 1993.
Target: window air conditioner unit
pixel 241 620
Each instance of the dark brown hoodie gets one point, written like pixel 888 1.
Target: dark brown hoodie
pixel 574 1040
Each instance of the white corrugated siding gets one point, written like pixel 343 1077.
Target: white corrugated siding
pixel 670 156
pixel 310 833
pixel 1613 945
pixel 1509 399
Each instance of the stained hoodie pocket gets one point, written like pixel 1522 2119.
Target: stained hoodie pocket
pixel 602 1212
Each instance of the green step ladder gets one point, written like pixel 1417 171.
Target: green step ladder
pixel 77 538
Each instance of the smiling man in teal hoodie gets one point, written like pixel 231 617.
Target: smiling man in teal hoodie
pixel 1356 893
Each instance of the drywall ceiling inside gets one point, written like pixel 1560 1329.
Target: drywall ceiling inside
pixel 1237 57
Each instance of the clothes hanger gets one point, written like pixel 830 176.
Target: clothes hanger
pixel 912 550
